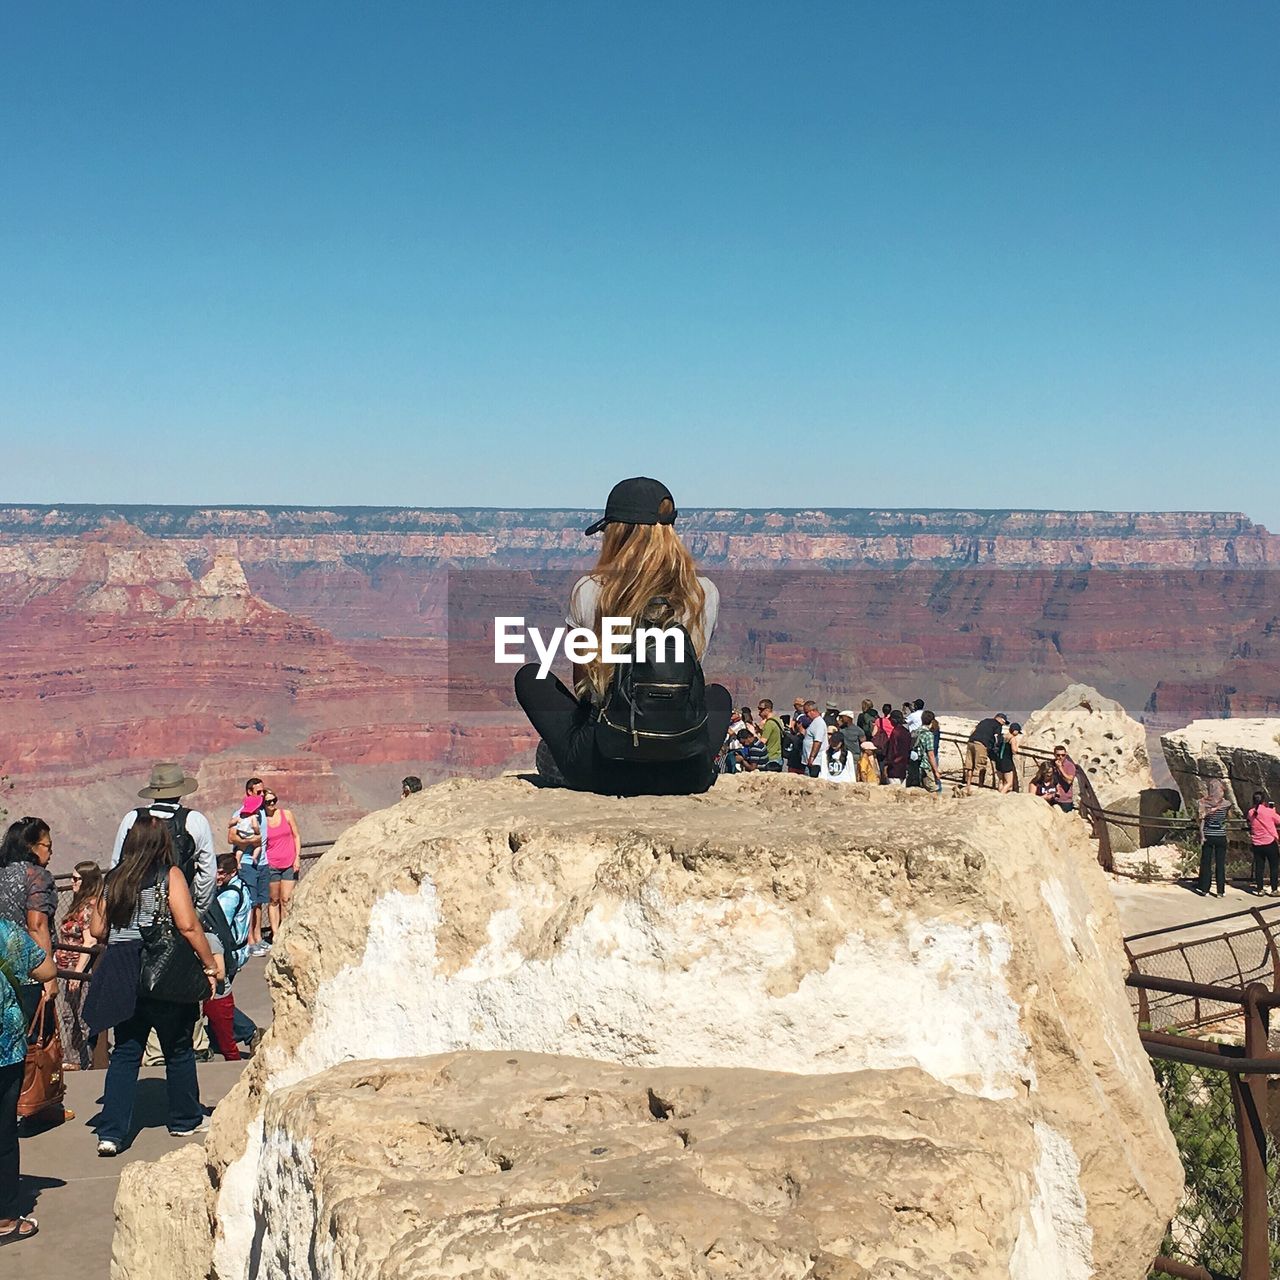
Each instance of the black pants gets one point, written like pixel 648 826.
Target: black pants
pixel 1213 859
pixel 10 1087
pixel 1268 855
pixel 567 726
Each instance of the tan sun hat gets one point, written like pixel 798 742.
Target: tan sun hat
pixel 168 782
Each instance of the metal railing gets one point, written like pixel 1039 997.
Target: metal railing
pixel 1215 1096
pixel 1087 804
pixel 1187 980
pixel 1245 950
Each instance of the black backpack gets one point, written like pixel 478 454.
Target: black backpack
pixel 655 709
pixel 214 920
pixel 184 843
pixel 793 749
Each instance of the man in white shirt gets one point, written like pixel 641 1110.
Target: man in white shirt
pixel 815 741
pixel 168 784
pixel 916 717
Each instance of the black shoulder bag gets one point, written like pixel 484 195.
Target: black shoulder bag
pixel 171 970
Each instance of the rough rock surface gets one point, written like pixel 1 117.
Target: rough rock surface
pixel 159 1206
pixel 497 1165
pixel 775 924
pixel 1098 734
pixel 1246 753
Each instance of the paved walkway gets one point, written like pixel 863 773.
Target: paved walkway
pixel 73 1192
pixel 1159 906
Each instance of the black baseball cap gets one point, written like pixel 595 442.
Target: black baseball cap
pixel 636 501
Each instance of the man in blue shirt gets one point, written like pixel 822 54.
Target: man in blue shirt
pixel 752 753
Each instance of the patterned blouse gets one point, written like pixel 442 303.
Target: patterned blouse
pixel 71 932
pixel 19 956
pixel 24 887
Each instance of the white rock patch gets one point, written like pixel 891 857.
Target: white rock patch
pixel 1056 1240
pixel 686 984
pixel 657 984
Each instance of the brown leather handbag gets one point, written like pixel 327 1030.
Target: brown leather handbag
pixel 43 1086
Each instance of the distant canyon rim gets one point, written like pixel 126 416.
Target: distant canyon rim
pixel 327 648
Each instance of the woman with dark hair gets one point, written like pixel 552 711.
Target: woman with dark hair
pixel 1006 758
pixel 28 895
pixel 1263 822
pixel 21 961
pixel 644 573
pixel 897 756
pixel 140 890
pixel 838 763
pixel 76 930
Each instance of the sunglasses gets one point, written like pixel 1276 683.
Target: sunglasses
pixel 270 800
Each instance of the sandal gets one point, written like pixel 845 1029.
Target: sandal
pixel 16 1232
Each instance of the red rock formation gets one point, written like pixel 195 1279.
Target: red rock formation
pixel 328 649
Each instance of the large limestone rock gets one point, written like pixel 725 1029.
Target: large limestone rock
pixel 1099 735
pixel 497 1165
pixel 1245 753
pixel 967 1094
pixel 160 1207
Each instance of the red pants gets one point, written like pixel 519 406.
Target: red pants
pixel 219 1011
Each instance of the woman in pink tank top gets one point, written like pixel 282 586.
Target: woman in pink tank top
pixel 284 859
pixel 1264 827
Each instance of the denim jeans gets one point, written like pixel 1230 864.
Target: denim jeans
pixel 242 1026
pixel 173 1024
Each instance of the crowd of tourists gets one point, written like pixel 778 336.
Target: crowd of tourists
pixel 891 746
pixel 171 921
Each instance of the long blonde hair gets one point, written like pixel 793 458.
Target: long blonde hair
pixel 638 562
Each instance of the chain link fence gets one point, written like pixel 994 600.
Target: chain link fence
pixel 1208 1229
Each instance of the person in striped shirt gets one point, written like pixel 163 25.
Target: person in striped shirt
pixel 752 753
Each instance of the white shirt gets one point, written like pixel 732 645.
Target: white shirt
pixel 849 773
pixel 915 721
pixel 198 828
pixel 246 829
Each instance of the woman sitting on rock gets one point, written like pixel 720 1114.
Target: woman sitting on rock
pixel 646 728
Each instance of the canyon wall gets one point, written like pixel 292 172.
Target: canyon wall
pixel 326 649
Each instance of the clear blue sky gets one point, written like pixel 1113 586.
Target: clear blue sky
pixel 474 253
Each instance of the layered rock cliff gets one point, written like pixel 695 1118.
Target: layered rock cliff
pixel 965 1080
pixel 1007 539
pixel 323 647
